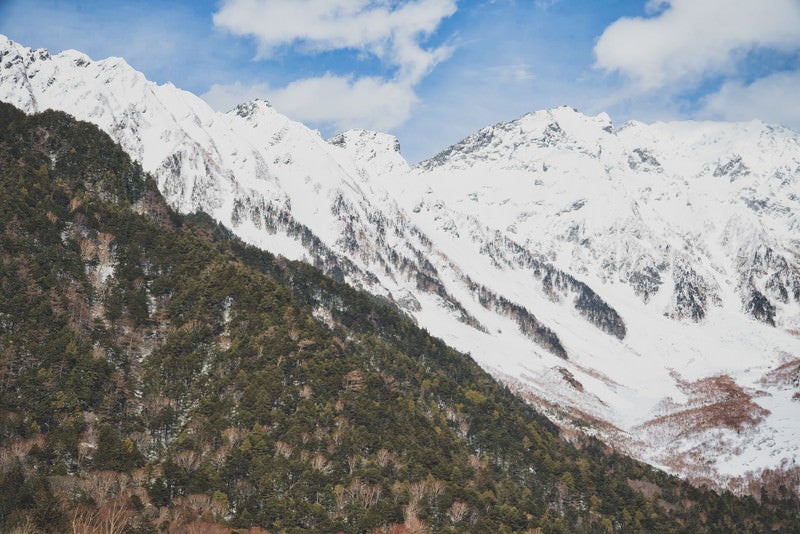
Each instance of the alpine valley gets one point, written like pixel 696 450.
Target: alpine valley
pixel 639 283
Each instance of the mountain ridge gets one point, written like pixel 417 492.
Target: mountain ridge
pixel 530 270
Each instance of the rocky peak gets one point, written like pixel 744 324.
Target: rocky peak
pixel 250 109
pixel 374 153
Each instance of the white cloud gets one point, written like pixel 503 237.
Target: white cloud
pixel 344 102
pixel 390 31
pixel 335 101
pixel 224 97
pixel 772 99
pixel 685 40
pixel 393 32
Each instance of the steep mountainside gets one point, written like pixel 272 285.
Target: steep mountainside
pixel 689 230
pixel 639 282
pixel 158 374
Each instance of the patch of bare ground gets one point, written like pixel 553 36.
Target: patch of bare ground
pixel 570 378
pixel 714 402
pixel 714 405
pixel 785 375
pixel 594 373
pixel 690 464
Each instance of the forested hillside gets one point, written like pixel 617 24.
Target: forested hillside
pixel 158 375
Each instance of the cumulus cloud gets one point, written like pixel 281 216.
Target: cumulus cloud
pixel 772 99
pixel 390 32
pixel 685 40
pixel 344 102
pixel 393 32
pixel 338 101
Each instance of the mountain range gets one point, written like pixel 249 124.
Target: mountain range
pixel 639 283
pixel 157 374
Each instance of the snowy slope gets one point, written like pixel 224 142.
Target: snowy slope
pixel 640 280
pixel 691 231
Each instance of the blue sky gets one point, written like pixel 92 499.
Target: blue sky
pixel 434 71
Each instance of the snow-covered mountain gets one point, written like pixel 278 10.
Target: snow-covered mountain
pixel 640 282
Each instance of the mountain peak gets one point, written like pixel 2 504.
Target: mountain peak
pixel 7 44
pixel 375 153
pixel 358 136
pixel 79 59
pixel 563 127
pixel 569 119
pixel 250 108
pixel 11 50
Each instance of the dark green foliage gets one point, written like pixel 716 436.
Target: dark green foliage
pixel 159 353
pixel 115 454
